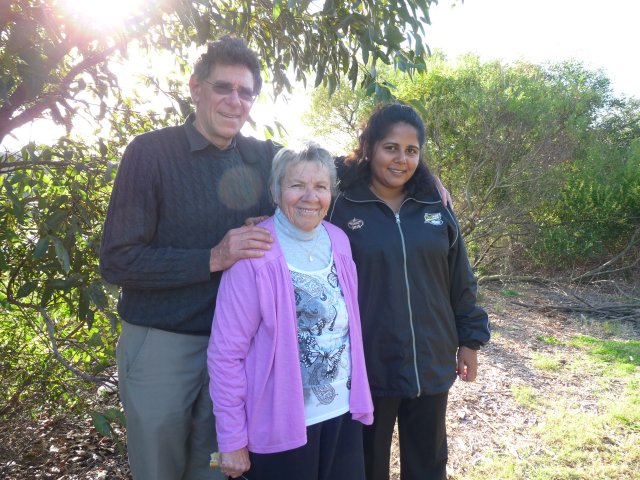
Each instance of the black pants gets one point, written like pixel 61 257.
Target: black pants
pixel 333 452
pixel 423 437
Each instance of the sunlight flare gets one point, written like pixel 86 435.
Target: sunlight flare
pixel 101 14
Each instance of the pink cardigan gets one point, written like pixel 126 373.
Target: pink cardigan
pixel 254 366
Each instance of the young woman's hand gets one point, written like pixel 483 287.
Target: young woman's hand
pixel 467 364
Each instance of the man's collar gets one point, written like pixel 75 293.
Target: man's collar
pixel 196 140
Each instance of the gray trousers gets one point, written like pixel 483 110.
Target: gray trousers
pixel 164 389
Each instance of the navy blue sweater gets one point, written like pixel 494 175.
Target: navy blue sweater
pixel 175 197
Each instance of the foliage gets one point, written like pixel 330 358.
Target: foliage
pixel 494 132
pixel 103 422
pixel 57 312
pixel 597 209
pixel 50 61
pixel 338 115
pixel 542 160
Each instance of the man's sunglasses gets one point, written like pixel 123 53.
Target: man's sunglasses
pixel 226 88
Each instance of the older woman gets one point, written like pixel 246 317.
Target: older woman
pixel 288 378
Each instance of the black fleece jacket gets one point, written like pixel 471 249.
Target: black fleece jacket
pixel 416 290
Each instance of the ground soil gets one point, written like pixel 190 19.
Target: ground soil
pixel 483 417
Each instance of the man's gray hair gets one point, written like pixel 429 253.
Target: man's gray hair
pixel 305 152
pixel 229 51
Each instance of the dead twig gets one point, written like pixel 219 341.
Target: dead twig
pixel 513 279
pixel 628 312
pixel 505 442
pixel 625 294
pixel 602 269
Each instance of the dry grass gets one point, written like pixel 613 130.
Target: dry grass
pixel 534 384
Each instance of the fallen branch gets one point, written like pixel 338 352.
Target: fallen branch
pixel 627 312
pixel 602 269
pixel 56 353
pixel 513 279
pixel 623 293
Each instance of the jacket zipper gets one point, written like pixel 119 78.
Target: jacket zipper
pixel 406 281
pixel 406 275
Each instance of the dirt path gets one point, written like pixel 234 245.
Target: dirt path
pixel 483 417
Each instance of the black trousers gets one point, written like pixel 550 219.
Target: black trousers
pixel 333 452
pixel 423 437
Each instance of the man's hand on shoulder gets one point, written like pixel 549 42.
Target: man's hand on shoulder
pixel 443 192
pixel 255 220
pixel 239 243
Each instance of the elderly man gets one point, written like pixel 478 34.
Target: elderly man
pixel 175 221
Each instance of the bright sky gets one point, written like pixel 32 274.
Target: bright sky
pixel 601 34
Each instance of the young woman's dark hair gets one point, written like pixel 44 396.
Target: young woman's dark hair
pixel 357 166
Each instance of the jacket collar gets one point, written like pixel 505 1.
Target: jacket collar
pixel 360 192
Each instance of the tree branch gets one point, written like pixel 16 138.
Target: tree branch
pixel 601 269
pixel 56 353
pixel 50 330
pixel 10 167
pixel 513 278
pixel 59 95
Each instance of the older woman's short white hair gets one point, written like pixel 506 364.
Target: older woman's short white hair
pixel 304 152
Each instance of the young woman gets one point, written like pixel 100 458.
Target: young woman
pixel 417 294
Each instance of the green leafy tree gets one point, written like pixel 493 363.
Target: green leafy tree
pixel 495 132
pixel 49 59
pixel 54 300
pixel 541 160
pixel 337 118
pixel 57 325
pixel 595 218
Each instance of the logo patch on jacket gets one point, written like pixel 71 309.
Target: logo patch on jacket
pixel 355 224
pixel 433 218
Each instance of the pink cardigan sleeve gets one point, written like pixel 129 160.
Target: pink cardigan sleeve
pixel 236 320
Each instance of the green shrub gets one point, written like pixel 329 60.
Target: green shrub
pixel 596 212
